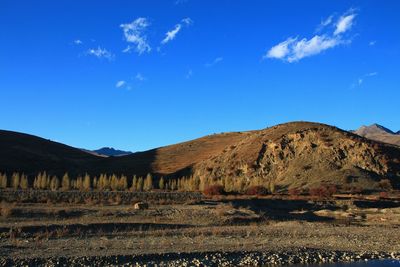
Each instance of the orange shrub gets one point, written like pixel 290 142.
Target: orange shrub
pixel 257 190
pixel 323 191
pixel 294 191
pixel 383 194
pixel 214 190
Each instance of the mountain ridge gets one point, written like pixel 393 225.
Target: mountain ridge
pixel 110 151
pixel 296 154
pixel 379 133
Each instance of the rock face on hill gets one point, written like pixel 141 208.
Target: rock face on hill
pixel 304 154
pixel 379 133
pixel 291 155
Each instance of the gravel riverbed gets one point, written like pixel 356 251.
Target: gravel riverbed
pixel 238 258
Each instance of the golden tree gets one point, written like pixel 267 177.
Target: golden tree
pixel 3 180
pixel 54 183
pixel 15 179
pixel 87 184
pixel 148 183
pixel 161 183
pixel 66 182
pixel 24 184
pixel 134 183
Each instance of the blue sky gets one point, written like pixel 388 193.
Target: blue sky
pixel 141 74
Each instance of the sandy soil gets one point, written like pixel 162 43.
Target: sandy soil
pixel 39 231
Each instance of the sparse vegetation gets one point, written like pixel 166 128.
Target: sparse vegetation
pixel 385 184
pixel 6 209
pixel 214 190
pixel 3 181
pixel 257 190
pixel 323 191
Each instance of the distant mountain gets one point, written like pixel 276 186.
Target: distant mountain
pixel 111 152
pixel 379 133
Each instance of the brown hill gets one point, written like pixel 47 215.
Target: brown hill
pixel 31 154
pixel 298 154
pixel 379 133
pixel 303 154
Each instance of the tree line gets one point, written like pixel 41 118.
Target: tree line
pixel 43 181
pixel 106 182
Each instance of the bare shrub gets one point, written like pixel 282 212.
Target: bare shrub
pixel 332 189
pixel 385 184
pixel 117 200
pixel 257 190
pixel 294 192
pixel 6 209
pixel 61 232
pixel 214 190
pixel 321 192
pixel 383 194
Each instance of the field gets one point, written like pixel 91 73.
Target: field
pixel 42 229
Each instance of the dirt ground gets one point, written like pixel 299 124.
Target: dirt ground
pixel 43 230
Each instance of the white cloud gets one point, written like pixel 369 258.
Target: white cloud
pixel 187 21
pixel 345 22
pixel 215 61
pixel 317 44
pixel 170 35
pixel 294 49
pixel 120 84
pixel 134 33
pixel 372 43
pixel 371 74
pixel 100 53
pixel 324 23
pixel 362 79
pixel 280 50
pixel 140 77
pixel 78 42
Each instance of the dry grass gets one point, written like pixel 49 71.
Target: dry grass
pixel 7 209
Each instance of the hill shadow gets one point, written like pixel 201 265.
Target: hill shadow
pixel 285 210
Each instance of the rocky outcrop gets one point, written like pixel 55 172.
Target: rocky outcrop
pixel 305 155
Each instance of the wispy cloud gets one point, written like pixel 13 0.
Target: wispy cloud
pixel 281 50
pixel 345 22
pixel 324 23
pixel 372 43
pixel 140 77
pixel 215 61
pixel 120 84
pixel 134 33
pixel 100 53
pixel 78 42
pixel 187 21
pixel 361 80
pixel 371 74
pixel 170 35
pixel 294 49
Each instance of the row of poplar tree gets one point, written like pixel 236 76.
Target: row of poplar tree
pixel 113 182
pixel 105 182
